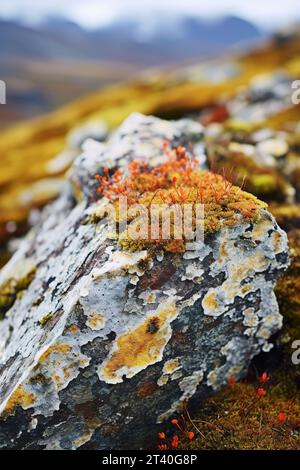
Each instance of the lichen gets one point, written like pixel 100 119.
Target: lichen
pixel 45 318
pixel 140 347
pixel 20 397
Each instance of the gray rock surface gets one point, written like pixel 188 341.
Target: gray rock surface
pixel 98 347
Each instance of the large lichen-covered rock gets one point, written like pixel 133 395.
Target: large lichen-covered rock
pixel 101 346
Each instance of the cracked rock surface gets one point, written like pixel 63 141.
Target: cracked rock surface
pixel 98 346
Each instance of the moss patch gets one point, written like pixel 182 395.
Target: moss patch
pixel 238 419
pixel 165 192
pixel 13 289
pixel 267 183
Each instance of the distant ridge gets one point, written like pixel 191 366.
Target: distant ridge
pixel 53 63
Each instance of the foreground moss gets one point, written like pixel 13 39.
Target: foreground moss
pixel 238 419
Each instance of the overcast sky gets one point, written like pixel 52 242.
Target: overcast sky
pixel 92 13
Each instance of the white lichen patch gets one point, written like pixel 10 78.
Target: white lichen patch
pixel 17 269
pixel 192 273
pixel 247 253
pixel 148 297
pixel 233 365
pixel 121 262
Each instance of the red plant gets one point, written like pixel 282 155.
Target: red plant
pixel 263 378
pixel 231 382
pixel 282 417
pixel 176 423
pixel 261 392
pixel 175 442
pixel 162 447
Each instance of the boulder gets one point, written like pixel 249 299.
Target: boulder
pixel 99 346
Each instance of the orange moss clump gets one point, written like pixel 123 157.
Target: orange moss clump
pixel 168 189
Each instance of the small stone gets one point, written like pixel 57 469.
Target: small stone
pixel 275 147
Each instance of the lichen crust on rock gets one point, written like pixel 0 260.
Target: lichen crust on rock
pixel 103 345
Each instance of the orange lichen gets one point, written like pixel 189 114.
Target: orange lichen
pixel 171 365
pixel 210 301
pixel 73 329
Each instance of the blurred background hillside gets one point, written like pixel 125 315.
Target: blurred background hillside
pixel 76 69
pixel 52 52
pixel 55 60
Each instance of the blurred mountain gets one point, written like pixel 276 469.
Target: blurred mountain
pixel 151 42
pixel 53 63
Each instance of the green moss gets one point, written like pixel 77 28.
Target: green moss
pixel 263 184
pixel 45 318
pixel 13 289
pixel 266 183
pixel 287 215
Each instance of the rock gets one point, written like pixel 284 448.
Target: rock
pixel 100 346
pixel 274 147
pixel 126 145
pixel 96 130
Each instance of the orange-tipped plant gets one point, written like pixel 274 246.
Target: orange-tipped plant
pixel 178 181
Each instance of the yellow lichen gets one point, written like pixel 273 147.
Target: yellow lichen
pixel 140 347
pixel 210 301
pixel 20 397
pixel 171 365
pixel 59 348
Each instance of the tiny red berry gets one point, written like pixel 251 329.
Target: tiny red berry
pixel 190 435
pixel 261 392
pixel 231 382
pixel 264 377
pixel 282 417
